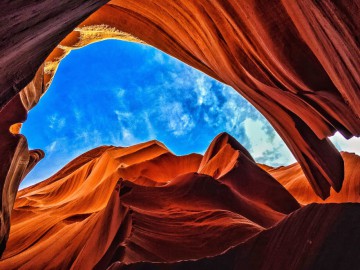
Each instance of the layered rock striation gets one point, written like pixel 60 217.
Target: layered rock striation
pixel 296 61
pixel 142 207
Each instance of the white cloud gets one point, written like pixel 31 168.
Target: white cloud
pixel 123 116
pixel 130 124
pixel 182 125
pixel 352 145
pixel 84 136
pixel 78 114
pixel 120 93
pixel 128 137
pixel 205 96
pixel 178 121
pixel 56 122
pixel 266 145
pixel 159 57
pixel 150 129
pixel 51 147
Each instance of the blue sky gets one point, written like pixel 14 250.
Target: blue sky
pixel 119 93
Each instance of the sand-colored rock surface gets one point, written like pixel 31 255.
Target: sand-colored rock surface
pixel 280 65
pixel 231 164
pixel 296 61
pixel 294 180
pixel 134 206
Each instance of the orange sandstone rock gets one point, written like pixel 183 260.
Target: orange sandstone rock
pixel 142 207
pixel 296 61
pixel 142 203
pixel 294 180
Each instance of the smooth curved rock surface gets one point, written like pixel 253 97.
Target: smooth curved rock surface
pixel 142 207
pixel 231 164
pixel 15 161
pixel 296 61
pixel 294 180
pixel 280 65
pixel 322 244
pixel 142 203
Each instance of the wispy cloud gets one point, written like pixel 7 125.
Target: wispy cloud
pixel 55 122
pixel 352 145
pixel 149 126
pixel 159 57
pixel 205 95
pixel 266 146
pixel 128 137
pixel 123 116
pixel 51 147
pixel 84 137
pixel 122 94
pixel 178 121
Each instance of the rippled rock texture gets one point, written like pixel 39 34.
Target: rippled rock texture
pixel 142 207
pixel 296 61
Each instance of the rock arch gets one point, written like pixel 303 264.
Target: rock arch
pixel 297 62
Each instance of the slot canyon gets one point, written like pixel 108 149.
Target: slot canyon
pixel 144 207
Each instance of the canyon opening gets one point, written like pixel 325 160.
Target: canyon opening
pixel 164 169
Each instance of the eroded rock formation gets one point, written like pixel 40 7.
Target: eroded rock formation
pixel 320 245
pixel 305 96
pixel 294 180
pixel 16 161
pixel 142 207
pixel 296 61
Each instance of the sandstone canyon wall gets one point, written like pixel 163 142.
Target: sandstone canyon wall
pixel 281 66
pixel 142 207
pixel 296 61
